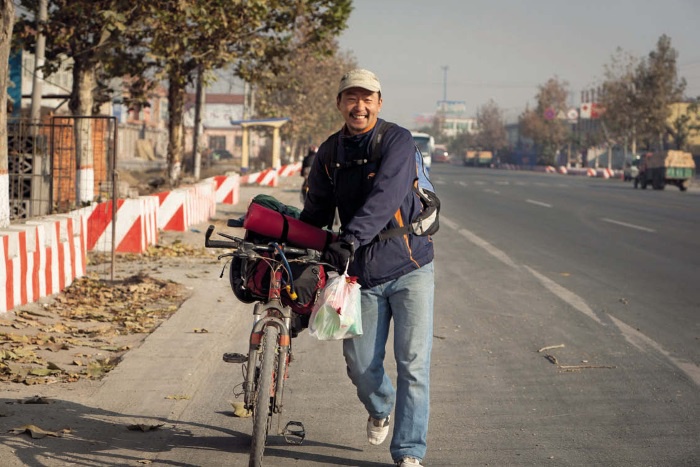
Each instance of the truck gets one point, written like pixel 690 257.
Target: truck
pixel 484 158
pixel 661 168
pixel 476 158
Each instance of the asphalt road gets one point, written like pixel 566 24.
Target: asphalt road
pixel 602 275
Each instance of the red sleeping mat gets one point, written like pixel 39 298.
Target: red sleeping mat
pixel 286 229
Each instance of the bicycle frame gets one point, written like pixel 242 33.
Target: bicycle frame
pixel 266 313
pixel 270 313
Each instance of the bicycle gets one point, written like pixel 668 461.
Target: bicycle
pixel 266 367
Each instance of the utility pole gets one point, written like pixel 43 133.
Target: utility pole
pixel 444 83
pixel 200 98
pixel 38 79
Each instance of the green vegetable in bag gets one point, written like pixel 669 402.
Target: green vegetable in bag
pixel 337 313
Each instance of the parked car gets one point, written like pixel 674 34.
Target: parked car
pixel 221 154
pixel 440 154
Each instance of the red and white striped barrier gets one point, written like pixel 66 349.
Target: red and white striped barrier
pixel 604 173
pixel 181 208
pixel 268 177
pixel 41 258
pixel 203 206
pixel 562 170
pixel 136 227
pixel 289 169
pixel 227 188
pixel 550 170
pixel 591 172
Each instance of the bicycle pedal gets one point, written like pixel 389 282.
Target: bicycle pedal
pixel 230 357
pixel 294 433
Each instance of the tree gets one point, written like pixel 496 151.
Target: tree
pixel 620 100
pixel 657 86
pixel 460 143
pixel 492 131
pixel 191 36
pixel 175 41
pixel 7 17
pixel 310 83
pixel 542 124
pixel 93 33
pixel 684 123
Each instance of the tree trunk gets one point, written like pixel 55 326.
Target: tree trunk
pixel 81 103
pixel 176 105
pixel 7 18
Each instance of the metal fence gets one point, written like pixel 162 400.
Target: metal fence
pixel 43 167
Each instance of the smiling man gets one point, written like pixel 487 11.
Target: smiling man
pixel 367 171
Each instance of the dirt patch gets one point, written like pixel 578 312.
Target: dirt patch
pixel 83 332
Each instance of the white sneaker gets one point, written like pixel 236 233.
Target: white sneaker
pixel 377 430
pixel 409 462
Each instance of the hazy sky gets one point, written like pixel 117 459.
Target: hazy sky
pixel 504 49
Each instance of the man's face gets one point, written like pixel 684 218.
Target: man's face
pixel 359 108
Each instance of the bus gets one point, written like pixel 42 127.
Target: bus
pixel 426 145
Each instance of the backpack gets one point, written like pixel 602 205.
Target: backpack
pixel 427 222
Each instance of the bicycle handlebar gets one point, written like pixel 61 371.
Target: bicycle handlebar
pixel 235 243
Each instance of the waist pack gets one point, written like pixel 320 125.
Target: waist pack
pixel 250 282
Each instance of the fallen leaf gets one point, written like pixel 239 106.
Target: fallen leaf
pixel 37 433
pixel 178 397
pixel 239 410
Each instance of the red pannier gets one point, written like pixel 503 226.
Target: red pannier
pixel 250 279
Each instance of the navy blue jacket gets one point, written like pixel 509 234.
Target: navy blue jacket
pixel 371 198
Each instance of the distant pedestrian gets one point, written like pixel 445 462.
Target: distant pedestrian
pixel 306 168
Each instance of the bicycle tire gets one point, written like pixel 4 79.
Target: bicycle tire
pixel 262 410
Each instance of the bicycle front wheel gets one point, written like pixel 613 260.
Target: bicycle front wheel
pixel 264 393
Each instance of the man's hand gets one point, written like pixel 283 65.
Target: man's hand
pixel 339 254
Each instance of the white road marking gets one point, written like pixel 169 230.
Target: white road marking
pixel 625 224
pixel 490 190
pixel 538 203
pixel 637 339
pixel 566 295
pixel 632 335
pixel 462 183
pixel 492 250
pixel 449 223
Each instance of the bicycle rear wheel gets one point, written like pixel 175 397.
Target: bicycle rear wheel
pixel 264 391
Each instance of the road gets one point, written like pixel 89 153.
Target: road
pixel 566 334
pixel 631 254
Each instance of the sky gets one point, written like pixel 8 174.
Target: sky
pixel 504 49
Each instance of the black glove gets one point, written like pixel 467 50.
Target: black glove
pixel 339 254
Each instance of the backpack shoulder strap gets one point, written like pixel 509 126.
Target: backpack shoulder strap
pixel 374 148
pixel 376 143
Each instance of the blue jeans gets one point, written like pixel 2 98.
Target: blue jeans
pixel 409 301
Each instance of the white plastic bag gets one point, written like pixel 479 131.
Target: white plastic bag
pixel 337 312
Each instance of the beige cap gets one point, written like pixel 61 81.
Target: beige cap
pixel 359 78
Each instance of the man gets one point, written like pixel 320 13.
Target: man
pixel 396 274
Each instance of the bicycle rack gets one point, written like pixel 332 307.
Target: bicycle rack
pixel 294 433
